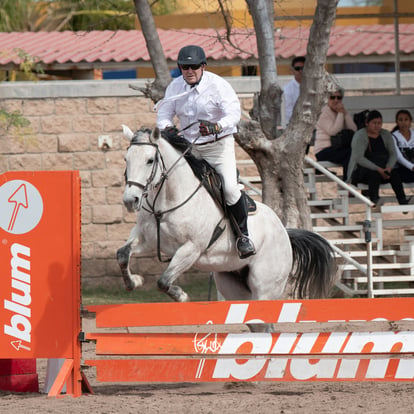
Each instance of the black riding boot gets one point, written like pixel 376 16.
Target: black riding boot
pixel 238 211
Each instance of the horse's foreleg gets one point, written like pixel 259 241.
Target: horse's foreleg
pixel 182 260
pixel 123 255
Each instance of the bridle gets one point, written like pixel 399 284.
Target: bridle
pixel 150 179
pixel 150 207
pixel 158 156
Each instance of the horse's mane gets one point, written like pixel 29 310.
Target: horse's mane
pixel 199 166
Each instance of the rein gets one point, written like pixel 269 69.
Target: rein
pixel 164 176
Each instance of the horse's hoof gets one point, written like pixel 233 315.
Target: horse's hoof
pixel 137 281
pixel 133 282
pixel 183 297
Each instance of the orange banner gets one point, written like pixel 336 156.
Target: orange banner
pixel 300 353
pixel 40 264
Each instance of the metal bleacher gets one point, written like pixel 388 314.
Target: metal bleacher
pixel 375 247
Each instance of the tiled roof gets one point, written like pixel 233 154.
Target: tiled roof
pixel 129 46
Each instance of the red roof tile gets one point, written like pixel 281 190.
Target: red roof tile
pixel 130 46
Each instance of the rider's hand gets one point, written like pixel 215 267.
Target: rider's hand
pixel 209 128
pixel 169 132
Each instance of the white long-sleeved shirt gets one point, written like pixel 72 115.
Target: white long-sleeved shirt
pixel 291 95
pixel 213 99
pixel 400 143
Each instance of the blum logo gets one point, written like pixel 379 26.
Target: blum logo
pixel 299 368
pixel 19 326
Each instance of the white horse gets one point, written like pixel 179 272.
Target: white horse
pixel 177 216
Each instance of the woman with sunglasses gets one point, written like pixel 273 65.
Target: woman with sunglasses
pixel 208 111
pixel 373 158
pixel 334 119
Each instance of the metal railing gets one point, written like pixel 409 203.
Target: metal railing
pixel 367 223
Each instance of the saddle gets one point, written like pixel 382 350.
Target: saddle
pixel 206 173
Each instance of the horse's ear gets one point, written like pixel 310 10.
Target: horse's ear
pixel 127 132
pixel 156 134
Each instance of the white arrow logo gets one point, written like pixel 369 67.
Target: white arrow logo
pixel 19 198
pixel 17 345
pixel 21 207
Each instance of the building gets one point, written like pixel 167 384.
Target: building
pixel 363 40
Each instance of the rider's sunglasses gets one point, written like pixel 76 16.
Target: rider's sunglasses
pixel 298 68
pixel 193 67
pixel 339 98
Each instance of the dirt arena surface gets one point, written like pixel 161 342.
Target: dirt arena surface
pixel 219 398
pixel 216 398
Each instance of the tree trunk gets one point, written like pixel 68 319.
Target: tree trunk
pixel 154 90
pixel 270 97
pixel 280 161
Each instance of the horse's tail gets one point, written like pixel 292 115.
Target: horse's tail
pixel 314 266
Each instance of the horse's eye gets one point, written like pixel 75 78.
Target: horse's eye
pixel 150 161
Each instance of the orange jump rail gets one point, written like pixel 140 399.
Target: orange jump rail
pixel 315 340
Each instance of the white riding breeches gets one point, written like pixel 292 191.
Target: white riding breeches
pixel 221 156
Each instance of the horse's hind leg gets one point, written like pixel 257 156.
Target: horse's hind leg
pixel 231 286
pixel 123 255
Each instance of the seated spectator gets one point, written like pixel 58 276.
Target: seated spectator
pixel 334 120
pixel 404 140
pixel 373 158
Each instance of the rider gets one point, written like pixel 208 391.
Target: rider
pixel 207 104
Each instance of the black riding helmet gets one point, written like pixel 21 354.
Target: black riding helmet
pixel 191 55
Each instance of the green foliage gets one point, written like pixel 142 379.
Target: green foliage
pixel 29 64
pixel 13 13
pixel 15 119
pixel 75 15
pixel 163 7
pixel 58 15
pixel 98 14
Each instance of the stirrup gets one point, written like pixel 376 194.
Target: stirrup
pixel 245 247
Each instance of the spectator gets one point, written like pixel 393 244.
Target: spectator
pixel 292 88
pixel 404 140
pixel 373 158
pixel 334 121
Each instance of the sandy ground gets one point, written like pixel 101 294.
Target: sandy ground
pixel 262 398
pixel 220 398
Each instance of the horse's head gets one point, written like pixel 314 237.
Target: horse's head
pixel 142 165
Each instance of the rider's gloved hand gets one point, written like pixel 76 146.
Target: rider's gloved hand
pixel 169 132
pixel 209 128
